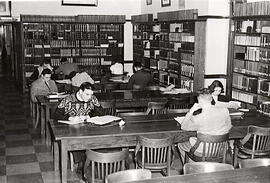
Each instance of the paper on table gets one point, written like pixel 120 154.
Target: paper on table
pixel 179 119
pixel 102 120
pixel 64 81
pixel 236 114
pixel 176 91
pixel 70 122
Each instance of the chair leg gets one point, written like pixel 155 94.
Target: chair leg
pixel 37 115
pixel 71 161
pixel 235 157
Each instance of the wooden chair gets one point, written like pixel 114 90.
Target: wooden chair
pixel 214 148
pixel 103 164
pixel 205 167
pixel 178 103
pixel 128 175
pixel 248 163
pixel 156 108
pixel 109 87
pixel 108 107
pixel 35 113
pixel 255 144
pixel 154 153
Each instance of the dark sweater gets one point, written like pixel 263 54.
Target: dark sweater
pixel 71 106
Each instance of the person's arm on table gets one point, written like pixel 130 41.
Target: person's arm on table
pixel 188 123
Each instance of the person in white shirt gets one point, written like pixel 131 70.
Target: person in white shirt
pixel 213 120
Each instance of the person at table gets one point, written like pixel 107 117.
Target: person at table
pixel 45 64
pixel 213 120
pixel 77 105
pixel 217 89
pixel 43 85
pixel 81 103
pixel 117 69
pixel 140 79
pixel 77 78
pixel 66 68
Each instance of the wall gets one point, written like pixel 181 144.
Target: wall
pixel 205 7
pixel 105 7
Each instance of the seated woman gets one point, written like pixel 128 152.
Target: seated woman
pixel 217 89
pixel 45 64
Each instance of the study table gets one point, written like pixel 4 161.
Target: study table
pixel 124 99
pixel 254 175
pixel 84 136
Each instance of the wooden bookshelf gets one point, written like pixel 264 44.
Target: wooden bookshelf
pixel 251 54
pixel 93 42
pixel 173 46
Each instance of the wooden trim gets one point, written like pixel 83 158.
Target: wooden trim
pixel 212 76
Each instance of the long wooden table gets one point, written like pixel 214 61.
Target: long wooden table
pixel 124 99
pixel 84 136
pixel 254 175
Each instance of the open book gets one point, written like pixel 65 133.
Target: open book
pixel 102 120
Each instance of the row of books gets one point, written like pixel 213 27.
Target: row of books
pixel 245 97
pixel 109 27
pixel 142 18
pixel 187 58
pixel 252 8
pixel 187 83
pixel 264 87
pixel 247 40
pixel 150 36
pixel 64 43
pixel 178 15
pixel 93 52
pixel 187 70
pixel 264 108
pixel 245 83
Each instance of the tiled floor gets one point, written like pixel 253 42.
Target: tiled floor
pixel 24 157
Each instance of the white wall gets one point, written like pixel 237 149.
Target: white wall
pixel 205 7
pixel 217 31
pixel 105 7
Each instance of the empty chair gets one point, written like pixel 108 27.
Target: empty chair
pixel 103 164
pixel 255 144
pixel 109 87
pixel 205 167
pixel 248 163
pixel 156 107
pixel 108 107
pixel 128 175
pixel 178 103
pixel 154 153
pixel 214 148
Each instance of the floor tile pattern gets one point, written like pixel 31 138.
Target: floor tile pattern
pixel 24 157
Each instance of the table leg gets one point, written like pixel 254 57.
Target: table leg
pixel 47 117
pixel 56 155
pixel 64 153
pixel 48 135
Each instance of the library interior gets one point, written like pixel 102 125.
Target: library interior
pixel 142 91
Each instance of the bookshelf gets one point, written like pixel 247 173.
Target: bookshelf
pixel 175 44
pixel 146 42
pixel 93 42
pixel 251 54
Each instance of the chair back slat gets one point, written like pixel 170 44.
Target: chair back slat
pixel 108 107
pixel 157 107
pixel 103 164
pixel 155 152
pixel 214 148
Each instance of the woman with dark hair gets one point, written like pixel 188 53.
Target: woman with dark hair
pixel 45 64
pixel 216 89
